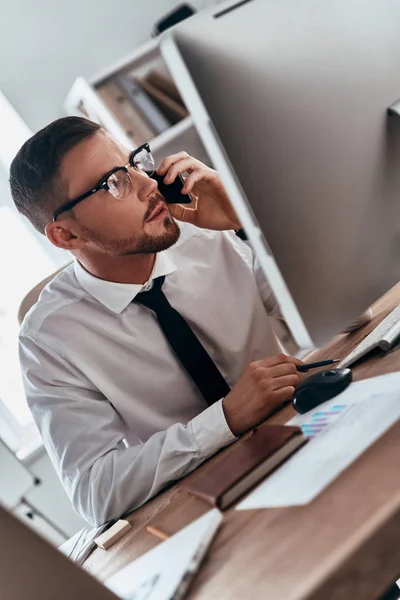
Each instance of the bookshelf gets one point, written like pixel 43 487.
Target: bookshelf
pixel 104 98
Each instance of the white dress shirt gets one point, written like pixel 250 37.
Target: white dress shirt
pixel 118 414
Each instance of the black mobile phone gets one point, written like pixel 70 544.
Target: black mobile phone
pixel 172 191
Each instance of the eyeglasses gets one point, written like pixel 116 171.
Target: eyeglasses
pixel 117 182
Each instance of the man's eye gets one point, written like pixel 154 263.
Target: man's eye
pixel 113 182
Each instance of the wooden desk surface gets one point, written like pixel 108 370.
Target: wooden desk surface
pixel 344 545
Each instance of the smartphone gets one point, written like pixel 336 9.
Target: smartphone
pixel 172 191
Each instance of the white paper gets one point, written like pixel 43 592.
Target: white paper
pixel 340 431
pixel 157 574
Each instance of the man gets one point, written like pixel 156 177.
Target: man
pixel 122 410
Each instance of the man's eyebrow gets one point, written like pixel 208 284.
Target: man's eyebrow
pixel 98 182
pixel 66 190
pixel 102 179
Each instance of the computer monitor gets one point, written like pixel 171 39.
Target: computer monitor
pixel 290 99
pixel 32 569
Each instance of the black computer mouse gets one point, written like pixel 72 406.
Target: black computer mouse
pixel 320 387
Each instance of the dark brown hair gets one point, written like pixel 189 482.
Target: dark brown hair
pixel 35 185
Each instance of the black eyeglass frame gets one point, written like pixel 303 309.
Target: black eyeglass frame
pixel 103 185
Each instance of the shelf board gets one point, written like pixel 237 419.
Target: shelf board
pixel 171 133
pixel 136 59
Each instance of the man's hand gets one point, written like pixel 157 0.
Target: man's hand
pixel 262 388
pixel 211 207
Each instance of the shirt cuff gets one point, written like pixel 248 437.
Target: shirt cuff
pixel 211 430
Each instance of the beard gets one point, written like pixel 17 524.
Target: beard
pixel 144 243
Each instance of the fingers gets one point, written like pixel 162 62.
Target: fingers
pixel 283 394
pixel 177 211
pixel 267 383
pixel 275 372
pixel 182 213
pixel 194 177
pixel 296 361
pixel 279 359
pixel 282 369
pixel 182 166
pixel 279 383
pixel 176 164
pixel 270 378
pixel 168 161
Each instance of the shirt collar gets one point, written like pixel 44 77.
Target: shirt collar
pixel 117 296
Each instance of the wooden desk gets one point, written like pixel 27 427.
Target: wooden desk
pixel 345 545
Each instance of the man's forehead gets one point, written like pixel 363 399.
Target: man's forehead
pixel 85 164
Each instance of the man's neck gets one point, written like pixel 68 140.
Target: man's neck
pixel 135 268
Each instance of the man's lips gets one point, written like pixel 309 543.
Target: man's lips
pixel 159 212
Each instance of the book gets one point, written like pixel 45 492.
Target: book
pixel 131 120
pixel 250 460
pixel 143 104
pixel 164 84
pixel 173 110
pixel 167 571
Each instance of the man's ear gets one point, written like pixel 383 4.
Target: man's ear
pixel 65 234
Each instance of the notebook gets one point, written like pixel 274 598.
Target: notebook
pixel 167 571
pixel 249 461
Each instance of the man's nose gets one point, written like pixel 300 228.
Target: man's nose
pixel 145 185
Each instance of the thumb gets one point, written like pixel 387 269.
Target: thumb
pixel 181 213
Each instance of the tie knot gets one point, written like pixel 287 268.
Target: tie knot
pixel 151 296
pixel 158 282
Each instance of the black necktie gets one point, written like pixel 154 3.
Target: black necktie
pixel 185 344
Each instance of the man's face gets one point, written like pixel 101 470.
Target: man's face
pixel 139 224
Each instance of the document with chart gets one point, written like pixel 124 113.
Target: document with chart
pixel 340 430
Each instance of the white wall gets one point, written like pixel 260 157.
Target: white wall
pixel 46 44
pixel 60 257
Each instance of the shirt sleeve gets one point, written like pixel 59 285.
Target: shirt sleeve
pixel 85 439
